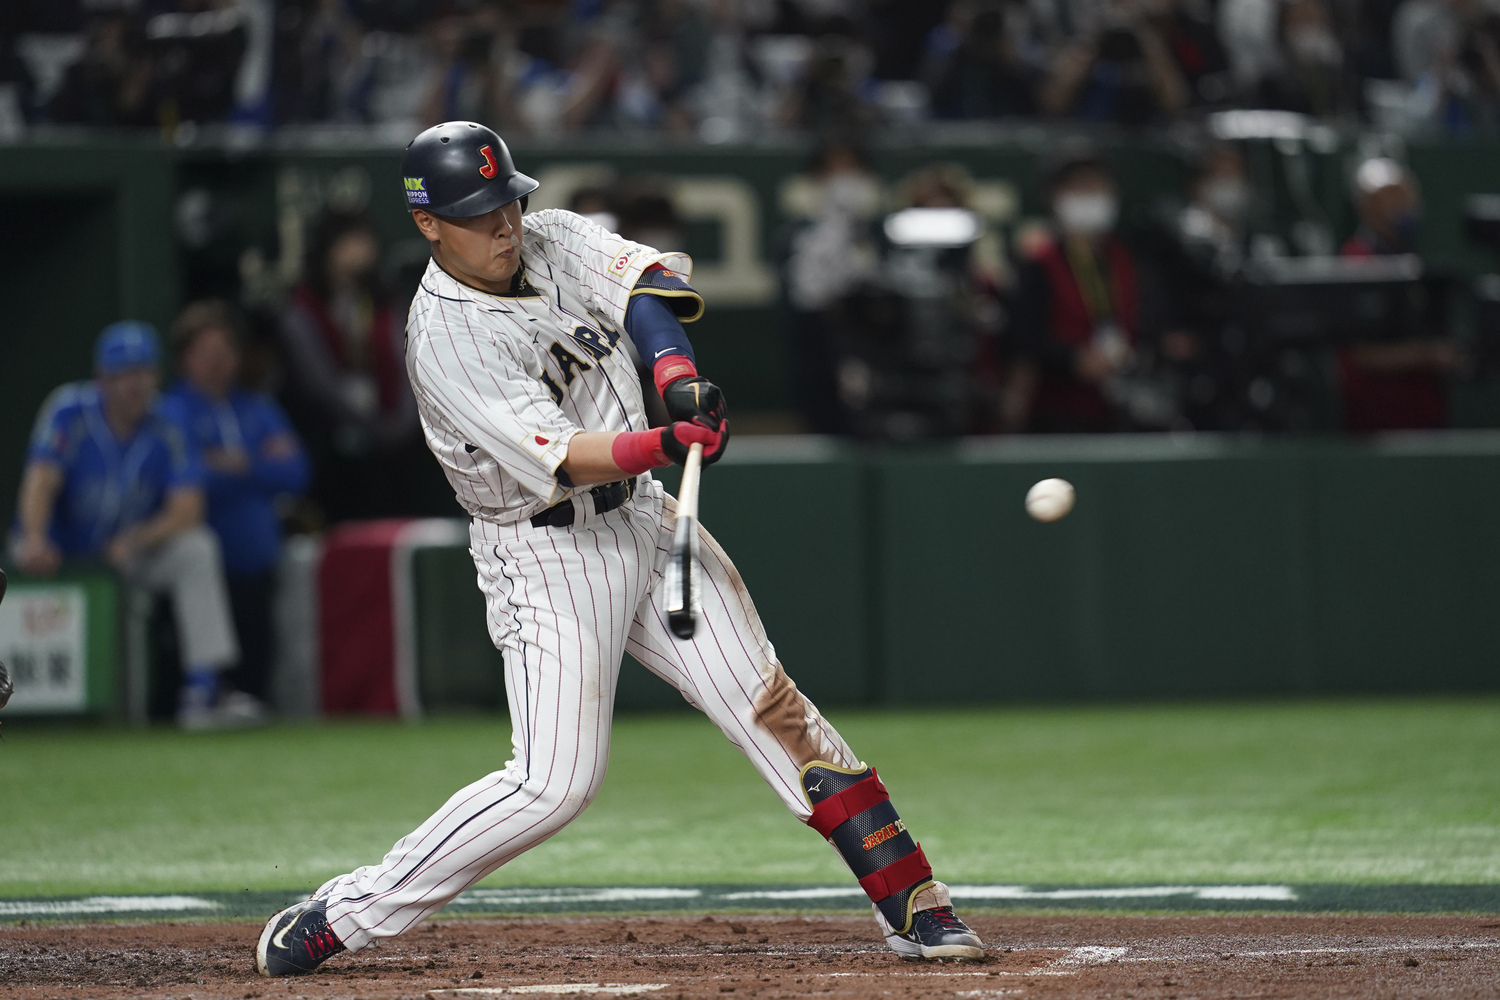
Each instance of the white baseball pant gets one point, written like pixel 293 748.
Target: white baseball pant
pixel 564 604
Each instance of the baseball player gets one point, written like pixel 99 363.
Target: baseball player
pixel 519 348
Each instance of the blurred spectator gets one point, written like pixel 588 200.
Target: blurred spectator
pixel 1124 70
pixel 1212 224
pixel 316 46
pixel 646 214
pixel 470 82
pixel 1448 52
pixel 1198 253
pixel 657 79
pixel 1077 310
pixel 110 85
pixel 1393 385
pixel 984 63
pixel 830 253
pixel 348 389
pixel 597 205
pixel 110 476
pixel 251 457
pixel 985 275
pixel 179 65
pixel 833 93
pixel 197 52
pixel 1285 54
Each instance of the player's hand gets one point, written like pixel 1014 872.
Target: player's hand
pixel 699 401
pixel 36 555
pixel 677 438
pixel 695 399
pixel 229 461
pixel 121 549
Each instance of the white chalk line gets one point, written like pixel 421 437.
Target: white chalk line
pixel 1290 952
pixel 553 989
pixel 1070 964
pixel 105 904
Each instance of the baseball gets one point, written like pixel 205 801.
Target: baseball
pixel 1050 499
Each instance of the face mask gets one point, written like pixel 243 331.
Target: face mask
pixel 851 194
pixel 1314 45
pixel 1086 214
pixel 1226 197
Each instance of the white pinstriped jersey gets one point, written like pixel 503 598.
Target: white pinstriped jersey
pixel 503 382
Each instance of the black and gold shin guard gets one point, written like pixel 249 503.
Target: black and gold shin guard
pixel 853 812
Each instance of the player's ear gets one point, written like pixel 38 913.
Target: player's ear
pixel 427 223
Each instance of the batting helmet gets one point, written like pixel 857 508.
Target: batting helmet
pixel 461 169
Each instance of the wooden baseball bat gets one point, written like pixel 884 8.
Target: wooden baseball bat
pixel 682 562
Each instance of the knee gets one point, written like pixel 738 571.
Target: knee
pixel 566 801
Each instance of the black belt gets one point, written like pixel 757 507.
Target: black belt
pixel 606 498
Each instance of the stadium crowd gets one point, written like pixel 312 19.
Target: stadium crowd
pixel 723 70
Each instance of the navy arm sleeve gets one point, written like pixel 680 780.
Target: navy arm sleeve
pixel 655 329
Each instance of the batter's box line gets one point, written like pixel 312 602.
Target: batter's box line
pixel 1369 949
pixel 1070 964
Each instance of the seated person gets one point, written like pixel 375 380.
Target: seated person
pixel 1395 385
pixel 109 476
pixel 250 456
pixel 1076 315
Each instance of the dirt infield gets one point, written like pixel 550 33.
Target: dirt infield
pixel 698 956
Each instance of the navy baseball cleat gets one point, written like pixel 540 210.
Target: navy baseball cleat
pixel 296 941
pixel 936 932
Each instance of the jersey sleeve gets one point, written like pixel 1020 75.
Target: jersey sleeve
pixel 472 381
pixel 49 435
pixel 278 461
pixel 606 267
pixel 184 461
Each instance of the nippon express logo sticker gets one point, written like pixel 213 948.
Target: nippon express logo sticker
pixel 416 190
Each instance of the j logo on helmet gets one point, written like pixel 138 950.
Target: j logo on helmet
pixel 490 168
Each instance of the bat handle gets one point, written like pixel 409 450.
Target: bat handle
pixel 687 494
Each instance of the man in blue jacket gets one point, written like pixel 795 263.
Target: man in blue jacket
pixel 110 476
pixel 251 456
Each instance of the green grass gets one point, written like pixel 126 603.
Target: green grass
pixel 1365 792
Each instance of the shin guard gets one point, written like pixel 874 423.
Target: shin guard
pixel 853 812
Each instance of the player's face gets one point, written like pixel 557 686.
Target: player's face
pixel 211 361
pixel 484 251
pixel 128 394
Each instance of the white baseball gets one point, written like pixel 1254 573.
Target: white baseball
pixel 1050 499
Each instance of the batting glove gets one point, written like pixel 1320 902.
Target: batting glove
pixel 636 451
pixel 699 401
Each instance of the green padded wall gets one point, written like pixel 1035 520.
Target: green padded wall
pixel 1199 567
pixel 1407 545
pixel 458 668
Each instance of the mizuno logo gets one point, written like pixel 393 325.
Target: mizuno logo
pixel 816 788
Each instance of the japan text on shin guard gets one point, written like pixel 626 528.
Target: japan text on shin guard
pixel 852 810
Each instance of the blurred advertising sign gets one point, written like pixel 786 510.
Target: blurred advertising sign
pixel 43 639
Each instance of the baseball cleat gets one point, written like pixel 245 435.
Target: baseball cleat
pixel 296 940
pixel 936 932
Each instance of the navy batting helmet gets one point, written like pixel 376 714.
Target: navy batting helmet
pixel 461 169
